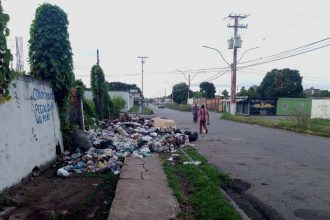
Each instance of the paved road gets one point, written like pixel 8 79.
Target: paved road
pixel 288 171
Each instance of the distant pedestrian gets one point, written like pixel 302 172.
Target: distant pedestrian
pixel 195 110
pixel 203 116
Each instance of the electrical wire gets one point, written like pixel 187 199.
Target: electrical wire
pixel 288 51
pixel 285 57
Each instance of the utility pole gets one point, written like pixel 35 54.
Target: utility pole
pixel 235 43
pixel 142 63
pixel 97 57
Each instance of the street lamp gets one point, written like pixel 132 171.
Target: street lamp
pixel 253 48
pixel 218 52
pixel 233 78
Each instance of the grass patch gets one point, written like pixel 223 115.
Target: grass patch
pixel 197 188
pixel 146 110
pixel 179 107
pixel 300 124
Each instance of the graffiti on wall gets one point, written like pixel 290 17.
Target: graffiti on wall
pixel 263 106
pixel 42 102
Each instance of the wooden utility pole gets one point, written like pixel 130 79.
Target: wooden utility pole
pixel 142 98
pixel 236 40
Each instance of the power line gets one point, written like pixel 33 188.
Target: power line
pixel 288 56
pixel 288 51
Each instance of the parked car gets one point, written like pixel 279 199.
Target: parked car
pixel 161 105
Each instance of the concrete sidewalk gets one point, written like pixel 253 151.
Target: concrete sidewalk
pixel 142 191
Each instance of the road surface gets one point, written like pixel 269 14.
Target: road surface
pixel 288 171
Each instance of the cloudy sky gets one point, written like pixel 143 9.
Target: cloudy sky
pixel 172 32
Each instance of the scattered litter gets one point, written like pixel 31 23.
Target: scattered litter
pixel 62 172
pixel 192 162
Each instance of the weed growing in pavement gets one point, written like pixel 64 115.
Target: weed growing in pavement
pixel 197 188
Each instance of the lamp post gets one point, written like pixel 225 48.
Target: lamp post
pixel 233 78
pixel 253 48
pixel 218 52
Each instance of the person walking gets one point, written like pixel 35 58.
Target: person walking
pixel 195 111
pixel 203 116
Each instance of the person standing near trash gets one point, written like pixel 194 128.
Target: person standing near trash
pixel 203 116
pixel 195 110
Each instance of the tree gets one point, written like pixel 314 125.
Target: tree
pixel 208 89
pixel 119 86
pixel 250 93
pixel 281 83
pixel 242 92
pixel 197 94
pixel 321 93
pixel 180 92
pixel 50 54
pixel 6 74
pixel 100 89
pixel 225 93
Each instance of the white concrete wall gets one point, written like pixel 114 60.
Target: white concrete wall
pixel 88 95
pixel 29 130
pixel 320 108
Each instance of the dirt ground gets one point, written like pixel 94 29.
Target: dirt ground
pixel 84 196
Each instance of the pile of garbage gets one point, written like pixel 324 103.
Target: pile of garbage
pixel 103 150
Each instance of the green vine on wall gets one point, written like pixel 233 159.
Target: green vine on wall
pixel 6 74
pixel 50 55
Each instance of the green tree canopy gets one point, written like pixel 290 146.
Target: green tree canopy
pixel 120 86
pixel 100 93
pixel 80 87
pixel 50 54
pixel 225 93
pixel 6 74
pixel 208 89
pixel 321 93
pixel 281 83
pixel 180 92
pixel 197 94
pixel 250 93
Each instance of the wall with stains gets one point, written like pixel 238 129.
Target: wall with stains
pixel 321 108
pixel 29 130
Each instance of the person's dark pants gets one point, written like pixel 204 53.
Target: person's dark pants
pixel 195 117
pixel 202 124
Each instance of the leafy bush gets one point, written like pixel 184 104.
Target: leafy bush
pixel 118 104
pixel 6 74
